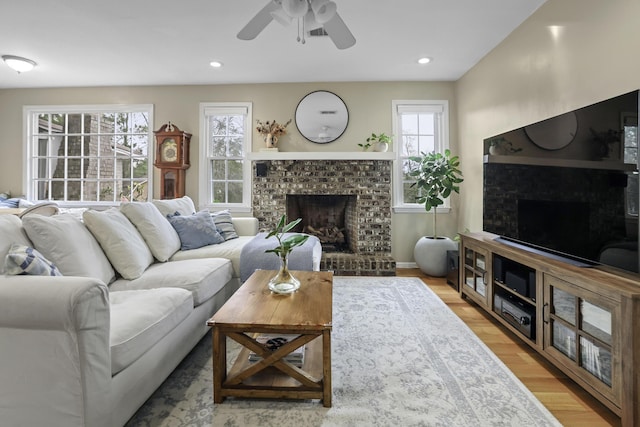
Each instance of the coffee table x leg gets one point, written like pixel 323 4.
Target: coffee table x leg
pixel 233 385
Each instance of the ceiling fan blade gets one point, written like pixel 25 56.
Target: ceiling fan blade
pixel 259 22
pixel 339 33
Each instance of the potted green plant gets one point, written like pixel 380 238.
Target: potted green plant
pixel 380 142
pixel 499 146
pixel 284 282
pixel 437 176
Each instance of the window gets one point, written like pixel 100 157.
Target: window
pixel 630 137
pixel 225 177
pixel 419 127
pixel 630 151
pixel 85 155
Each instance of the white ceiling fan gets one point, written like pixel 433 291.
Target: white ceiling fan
pixel 309 14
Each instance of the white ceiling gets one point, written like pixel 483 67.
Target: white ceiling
pixel 171 42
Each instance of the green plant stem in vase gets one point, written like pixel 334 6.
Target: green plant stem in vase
pixel 284 282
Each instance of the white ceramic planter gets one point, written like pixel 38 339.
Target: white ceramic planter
pixel 431 255
pixel 381 147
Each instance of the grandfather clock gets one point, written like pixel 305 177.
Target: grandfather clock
pixel 172 158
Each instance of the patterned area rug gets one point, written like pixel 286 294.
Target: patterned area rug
pixel 400 357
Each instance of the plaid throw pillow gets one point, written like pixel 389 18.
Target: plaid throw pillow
pixel 26 260
pixel 223 223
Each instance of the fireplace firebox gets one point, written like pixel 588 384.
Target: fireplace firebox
pixel 331 218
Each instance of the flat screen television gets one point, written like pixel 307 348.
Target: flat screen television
pixel 568 187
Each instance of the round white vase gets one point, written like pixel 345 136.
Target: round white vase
pixel 431 255
pixel 381 147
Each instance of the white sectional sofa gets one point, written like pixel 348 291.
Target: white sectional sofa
pixel 88 348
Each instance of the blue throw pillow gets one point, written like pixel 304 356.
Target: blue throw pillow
pixel 195 231
pixel 223 222
pixel 25 260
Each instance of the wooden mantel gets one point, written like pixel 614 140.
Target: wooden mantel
pixel 319 155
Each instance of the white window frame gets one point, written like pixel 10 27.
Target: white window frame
pixel 29 111
pixel 629 120
pixel 206 109
pixel 441 142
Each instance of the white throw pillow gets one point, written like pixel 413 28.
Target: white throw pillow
pixel 11 232
pixel 66 242
pixel 120 240
pixel 183 205
pixel 154 227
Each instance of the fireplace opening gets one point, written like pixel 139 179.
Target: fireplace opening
pixel 331 218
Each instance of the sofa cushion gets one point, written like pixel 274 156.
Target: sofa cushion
pixel 161 237
pixel 11 232
pixel 23 259
pixel 195 231
pixel 203 277
pixel 66 242
pixel 230 250
pixel 139 319
pixel 120 240
pixel 183 205
pixel 224 223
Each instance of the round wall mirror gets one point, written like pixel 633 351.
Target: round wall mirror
pixel 554 133
pixel 322 117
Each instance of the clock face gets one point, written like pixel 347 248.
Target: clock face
pixel 169 152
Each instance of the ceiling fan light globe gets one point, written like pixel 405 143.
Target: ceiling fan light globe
pixel 281 17
pixel 295 8
pixel 324 10
pixel 310 22
pixel 317 4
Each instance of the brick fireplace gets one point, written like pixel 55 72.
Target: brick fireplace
pixel 348 197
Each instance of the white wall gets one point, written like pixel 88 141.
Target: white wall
pixel 369 106
pixel 568 54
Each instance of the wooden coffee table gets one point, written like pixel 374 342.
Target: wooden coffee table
pixel 254 309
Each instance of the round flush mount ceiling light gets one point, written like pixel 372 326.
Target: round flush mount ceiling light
pixel 18 63
pixel 424 60
pixel 216 64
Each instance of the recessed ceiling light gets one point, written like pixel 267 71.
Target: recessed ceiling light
pixel 216 64
pixel 424 60
pixel 18 63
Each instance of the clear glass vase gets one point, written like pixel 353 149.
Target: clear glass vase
pixel 284 282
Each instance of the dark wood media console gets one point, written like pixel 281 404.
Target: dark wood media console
pixel 586 321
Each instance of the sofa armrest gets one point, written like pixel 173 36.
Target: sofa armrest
pixel 245 226
pixel 54 341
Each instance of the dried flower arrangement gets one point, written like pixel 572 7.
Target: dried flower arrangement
pixel 272 127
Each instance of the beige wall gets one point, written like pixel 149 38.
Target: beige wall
pixel 369 107
pixel 568 54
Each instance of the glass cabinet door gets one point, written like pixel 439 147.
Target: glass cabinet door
pixel 580 328
pixel 563 322
pixel 595 344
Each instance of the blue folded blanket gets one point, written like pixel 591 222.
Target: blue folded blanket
pixel 10 203
pixel 254 258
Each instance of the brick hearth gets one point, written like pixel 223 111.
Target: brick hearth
pixel 368 180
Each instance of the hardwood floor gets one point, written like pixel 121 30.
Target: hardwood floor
pixel 566 400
